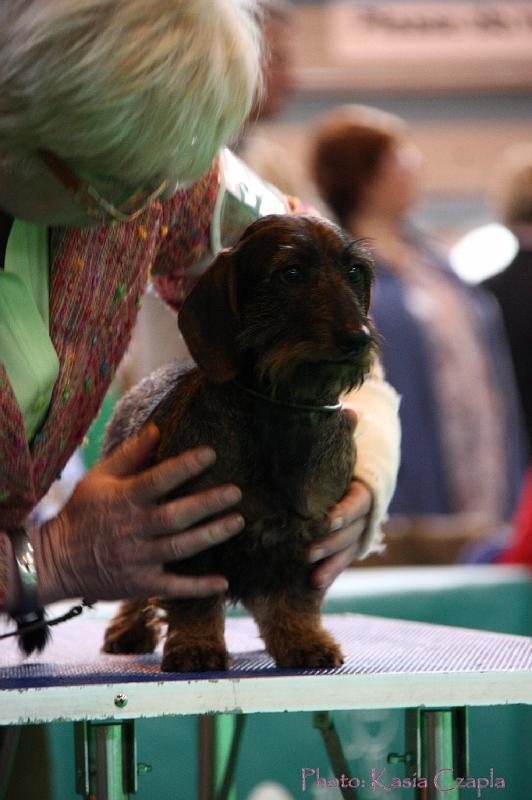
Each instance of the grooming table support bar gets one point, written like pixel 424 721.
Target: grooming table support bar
pixel 442 750
pixel 436 744
pixel 105 760
pixel 323 722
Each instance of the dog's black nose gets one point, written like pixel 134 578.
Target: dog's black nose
pixel 355 341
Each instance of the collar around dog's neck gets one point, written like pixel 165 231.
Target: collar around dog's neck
pixel 296 407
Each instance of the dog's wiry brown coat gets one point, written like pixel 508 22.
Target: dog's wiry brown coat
pixel 284 313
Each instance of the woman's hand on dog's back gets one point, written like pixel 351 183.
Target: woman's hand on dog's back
pixel 113 536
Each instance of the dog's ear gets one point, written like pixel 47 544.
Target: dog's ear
pixel 209 317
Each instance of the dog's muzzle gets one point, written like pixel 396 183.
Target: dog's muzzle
pixel 354 343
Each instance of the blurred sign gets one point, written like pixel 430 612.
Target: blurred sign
pixel 389 45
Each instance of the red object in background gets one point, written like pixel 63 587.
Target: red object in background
pixel 520 549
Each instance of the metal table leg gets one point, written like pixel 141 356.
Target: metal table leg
pixel 324 723
pixel 106 760
pixel 219 740
pixel 443 751
pixel 206 757
pixel 229 758
pixel 436 751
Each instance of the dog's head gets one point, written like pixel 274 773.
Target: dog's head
pixel 289 302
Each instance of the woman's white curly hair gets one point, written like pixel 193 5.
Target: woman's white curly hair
pixel 130 88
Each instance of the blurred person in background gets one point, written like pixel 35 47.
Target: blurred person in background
pixel 513 286
pixel 519 548
pixel 443 348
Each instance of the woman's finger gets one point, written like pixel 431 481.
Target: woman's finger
pixel 181 514
pixel 152 484
pixel 325 573
pixel 356 503
pixel 132 453
pixel 184 545
pixel 334 543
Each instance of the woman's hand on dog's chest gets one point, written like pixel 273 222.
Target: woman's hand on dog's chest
pixel 116 508
pixel 348 520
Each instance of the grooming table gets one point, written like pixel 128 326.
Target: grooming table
pixel 433 670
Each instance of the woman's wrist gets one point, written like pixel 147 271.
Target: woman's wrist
pixel 50 579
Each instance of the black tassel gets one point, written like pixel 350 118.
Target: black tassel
pixel 33 632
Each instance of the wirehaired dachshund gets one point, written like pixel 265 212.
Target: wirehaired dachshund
pixel 278 328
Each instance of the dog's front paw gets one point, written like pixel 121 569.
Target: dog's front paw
pixel 138 639
pixel 195 658
pixel 311 655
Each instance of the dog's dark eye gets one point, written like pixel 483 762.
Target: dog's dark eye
pixel 355 275
pixel 291 275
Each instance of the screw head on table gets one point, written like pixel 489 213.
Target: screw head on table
pixel 121 700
